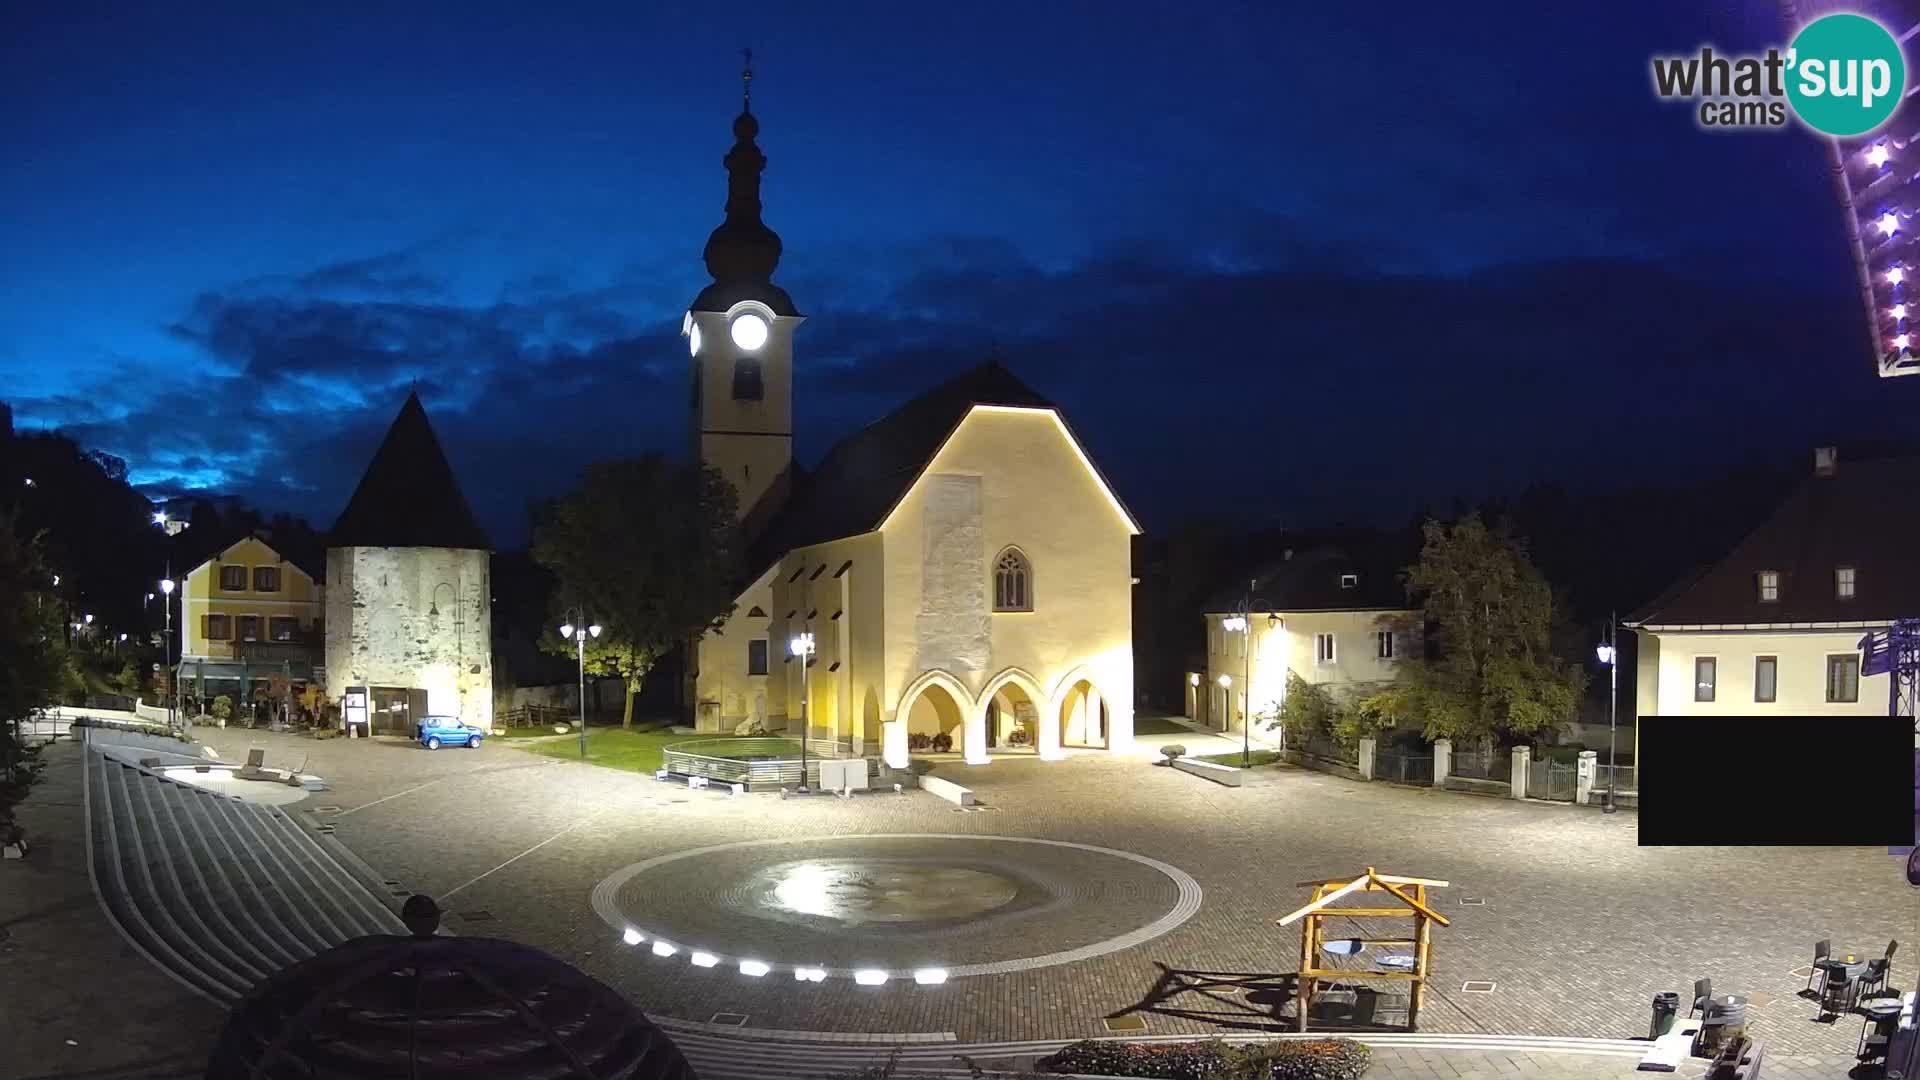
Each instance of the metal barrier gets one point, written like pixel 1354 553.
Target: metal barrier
pixel 1322 746
pixel 1550 779
pixel 755 762
pixel 1622 776
pixel 1495 764
pixel 1403 767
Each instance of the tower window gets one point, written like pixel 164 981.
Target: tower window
pixel 1012 582
pixel 1843 582
pixel 747 385
pixel 1769 586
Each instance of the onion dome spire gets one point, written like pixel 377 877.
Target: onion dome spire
pixel 743 251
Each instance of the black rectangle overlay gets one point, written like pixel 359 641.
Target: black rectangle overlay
pixel 1828 781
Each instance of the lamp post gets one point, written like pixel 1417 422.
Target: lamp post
pixel 1243 624
pixel 1610 656
pixel 579 635
pixel 173 688
pixel 802 647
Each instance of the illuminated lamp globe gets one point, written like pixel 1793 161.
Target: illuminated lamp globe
pixel 1896 275
pixel 749 331
pixel 1877 156
pixel 1889 224
pixel 165 586
pixel 1900 342
pixel 693 341
pixel 1898 311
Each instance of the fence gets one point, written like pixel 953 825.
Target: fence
pixel 1489 764
pixel 535 716
pixel 1621 776
pixel 1549 779
pixel 1403 766
pixel 1323 746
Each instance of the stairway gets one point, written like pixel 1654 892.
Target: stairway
pixel 215 891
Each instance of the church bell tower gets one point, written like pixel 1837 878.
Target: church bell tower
pixel 739 332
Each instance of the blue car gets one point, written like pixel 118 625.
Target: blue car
pixel 433 732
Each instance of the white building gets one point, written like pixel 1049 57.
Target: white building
pixel 1775 627
pixel 1335 616
pixel 409 615
pixel 960 565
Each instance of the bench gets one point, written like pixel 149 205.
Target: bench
pixel 947 790
pixel 1208 770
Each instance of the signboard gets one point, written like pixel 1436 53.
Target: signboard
pixel 353 711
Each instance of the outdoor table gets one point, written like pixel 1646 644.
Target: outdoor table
pixel 1845 969
pixel 1882 1016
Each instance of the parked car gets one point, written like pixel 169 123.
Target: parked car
pixel 436 731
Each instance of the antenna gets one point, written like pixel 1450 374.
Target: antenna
pixel 746 80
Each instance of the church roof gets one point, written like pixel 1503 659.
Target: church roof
pixel 1857 517
pixel 865 474
pixel 408 496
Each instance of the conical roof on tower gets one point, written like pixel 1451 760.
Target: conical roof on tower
pixel 408 496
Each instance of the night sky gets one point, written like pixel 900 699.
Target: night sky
pixel 1303 265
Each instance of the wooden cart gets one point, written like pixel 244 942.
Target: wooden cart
pixel 1410 891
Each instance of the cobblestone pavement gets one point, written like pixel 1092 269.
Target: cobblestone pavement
pixel 1574 925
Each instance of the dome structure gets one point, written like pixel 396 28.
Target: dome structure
pixel 431 1007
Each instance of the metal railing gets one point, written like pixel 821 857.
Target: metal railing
pixel 1494 764
pixel 756 762
pixel 1549 779
pixel 1622 776
pixel 1403 766
pixel 1331 749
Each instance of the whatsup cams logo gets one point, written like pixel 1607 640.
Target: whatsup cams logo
pixel 1842 75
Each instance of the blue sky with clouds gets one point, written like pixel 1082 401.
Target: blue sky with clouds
pixel 1322 263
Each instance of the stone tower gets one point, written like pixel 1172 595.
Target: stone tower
pixel 409 608
pixel 740 334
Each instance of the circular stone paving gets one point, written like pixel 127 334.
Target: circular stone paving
pixel 899 903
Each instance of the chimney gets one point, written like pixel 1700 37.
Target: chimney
pixel 1825 458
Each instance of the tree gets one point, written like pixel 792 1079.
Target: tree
pixel 34 670
pixel 1492 619
pixel 647 548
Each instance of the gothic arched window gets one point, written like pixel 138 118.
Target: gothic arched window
pixel 1012 582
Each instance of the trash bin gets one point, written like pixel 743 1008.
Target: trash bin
pixel 1723 1021
pixel 1666 1007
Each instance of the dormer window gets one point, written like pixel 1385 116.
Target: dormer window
pixel 1769 581
pixel 1349 581
pixel 1843 582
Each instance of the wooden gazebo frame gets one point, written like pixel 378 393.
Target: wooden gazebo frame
pixel 1411 891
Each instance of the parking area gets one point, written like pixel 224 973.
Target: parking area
pixel 1573 926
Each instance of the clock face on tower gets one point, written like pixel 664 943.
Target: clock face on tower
pixel 749 331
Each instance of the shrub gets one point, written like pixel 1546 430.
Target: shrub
pixel 919 740
pixel 1172 751
pixel 1018 737
pixel 1304 1059
pixel 222 709
pixel 942 743
pixel 1170 1061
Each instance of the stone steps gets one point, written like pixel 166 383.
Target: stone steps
pixel 216 891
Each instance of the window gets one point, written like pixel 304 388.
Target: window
pixel 747 384
pixel 1843 582
pixel 266 579
pixel 248 627
pixel 1705 673
pixel 757 656
pixel 283 628
pixel 1383 644
pixel 1843 678
pixel 233 578
pixel 1349 581
pixel 1766 678
pixel 1769 586
pixel 1012 582
pixel 218 629
pixel 1323 648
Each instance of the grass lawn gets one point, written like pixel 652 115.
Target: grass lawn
pixel 1260 757
pixel 615 748
pixel 1156 725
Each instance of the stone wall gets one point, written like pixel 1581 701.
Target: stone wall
pixel 413 617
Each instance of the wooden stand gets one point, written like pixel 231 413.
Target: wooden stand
pixel 1411 891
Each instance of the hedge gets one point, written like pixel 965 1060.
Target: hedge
pixel 1286 1059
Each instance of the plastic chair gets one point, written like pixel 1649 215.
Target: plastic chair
pixel 1874 980
pixel 1821 950
pixel 1702 992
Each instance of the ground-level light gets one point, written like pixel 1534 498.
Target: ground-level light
pixel 930 976
pixel 755 968
pixel 661 948
pixel 810 974
pixel 704 959
pixel 870 977
pixel 632 936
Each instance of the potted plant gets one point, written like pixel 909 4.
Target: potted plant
pixel 1019 737
pixel 222 709
pixel 1172 752
pixel 942 743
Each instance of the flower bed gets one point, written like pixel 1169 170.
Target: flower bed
pixel 1287 1059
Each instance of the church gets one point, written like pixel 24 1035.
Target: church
pixel 956 575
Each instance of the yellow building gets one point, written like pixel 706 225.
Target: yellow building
pixel 1334 616
pixel 960 566
pixel 249 614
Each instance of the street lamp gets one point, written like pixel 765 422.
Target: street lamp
pixel 1242 624
pixel 1609 655
pixel 802 647
pixel 173 689
pixel 579 635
